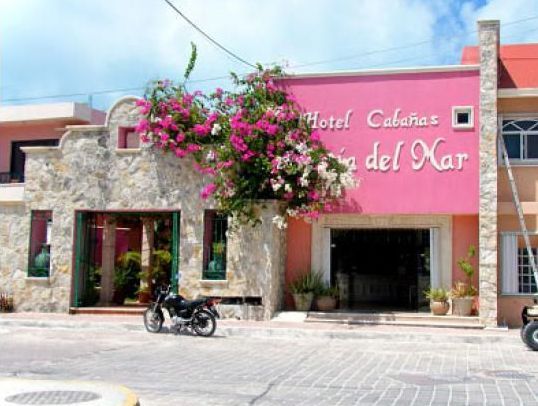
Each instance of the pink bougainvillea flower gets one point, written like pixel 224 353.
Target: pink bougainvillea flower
pixel 238 143
pixel 201 130
pixel 314 136
pixel 180 137
pixel 193 148
pixel 144 138
pixel 259 120
pixel 314 214
pixel 313 195
pixel 247 155
pixel 288 195
pixel 208 190
pixel 142 126
pixel 180 153
pixel 164 137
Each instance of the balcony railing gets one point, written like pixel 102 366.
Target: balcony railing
pixel 11 177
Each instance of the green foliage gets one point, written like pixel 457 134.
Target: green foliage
pixel 465 264
pixel 308 283
pixel 126 274
pixel 436 294
pixel 192 61
pixel 462 289
pixel 252 144
pixel 157 272
pixel 331 291
pixel 465 289
pixel 218 248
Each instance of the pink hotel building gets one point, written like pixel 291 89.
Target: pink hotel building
pixel 431 183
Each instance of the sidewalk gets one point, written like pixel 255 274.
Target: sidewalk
pixel 284 326
pixel 44 392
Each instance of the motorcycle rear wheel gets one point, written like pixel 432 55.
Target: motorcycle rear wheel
pixel 153 321
pixel 204 323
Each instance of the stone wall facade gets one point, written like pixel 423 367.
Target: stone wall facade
pixel 88 172
pixel 488 35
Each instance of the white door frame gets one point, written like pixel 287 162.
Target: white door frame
pixel 440 238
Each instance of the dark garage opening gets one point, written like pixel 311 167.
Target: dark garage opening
pixel 384 269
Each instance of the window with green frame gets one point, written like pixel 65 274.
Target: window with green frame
pixel 215 245
pixel 39 250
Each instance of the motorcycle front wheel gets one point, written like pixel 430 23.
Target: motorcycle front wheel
pixel 153 321
pixel 204 323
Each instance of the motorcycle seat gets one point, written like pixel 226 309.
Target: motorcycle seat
pixel 194 303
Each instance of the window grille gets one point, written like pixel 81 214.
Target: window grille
pixel 39 252
pixel 215 245
pixel 521 139
pixel 526 282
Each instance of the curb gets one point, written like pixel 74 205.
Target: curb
pixel 399 334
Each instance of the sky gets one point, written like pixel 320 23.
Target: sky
pixel 71 48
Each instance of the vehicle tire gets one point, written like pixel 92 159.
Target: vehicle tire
pixel 204 323
pixel 530 335
pixel 153 321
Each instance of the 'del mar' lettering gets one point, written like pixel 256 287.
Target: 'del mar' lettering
pixel 421 153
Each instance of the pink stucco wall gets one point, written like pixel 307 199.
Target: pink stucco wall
pixel 464 234
pixel 398 188
pixel 298 259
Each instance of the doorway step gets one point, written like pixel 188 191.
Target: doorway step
pixel 395 318
pixel 131 309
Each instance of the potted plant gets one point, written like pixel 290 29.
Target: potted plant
pixel 326 299
pixel 438 297
pixel 153 275
pixel 463 293
pixel 304 288
pixel 121 280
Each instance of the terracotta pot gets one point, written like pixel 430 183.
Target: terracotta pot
pixel 439 308
pixel 118 297
pixel 326 303
pixel 144 297
pixel 303 301
pixel 462 306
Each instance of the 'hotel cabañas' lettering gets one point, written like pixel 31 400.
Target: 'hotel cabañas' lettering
pixel 377 119
pixel 332 123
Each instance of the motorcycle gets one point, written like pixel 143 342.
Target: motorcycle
pixel 199 314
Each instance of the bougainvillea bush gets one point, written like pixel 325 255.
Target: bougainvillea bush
pixel 251 143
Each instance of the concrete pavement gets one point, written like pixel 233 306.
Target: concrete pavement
pixel 377 369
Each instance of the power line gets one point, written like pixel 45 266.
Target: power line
pixel 106 91
pixel 232 54
pixel 368 53
pixel 405 46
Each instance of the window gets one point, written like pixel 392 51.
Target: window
pixel 462 117
pixel 128 138
pixel 39 254
pixel 526 282
pixel 18 159
pixel 215 245
pixel 521 139
pixel 517 276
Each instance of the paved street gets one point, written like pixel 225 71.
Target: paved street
pixel 165 369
